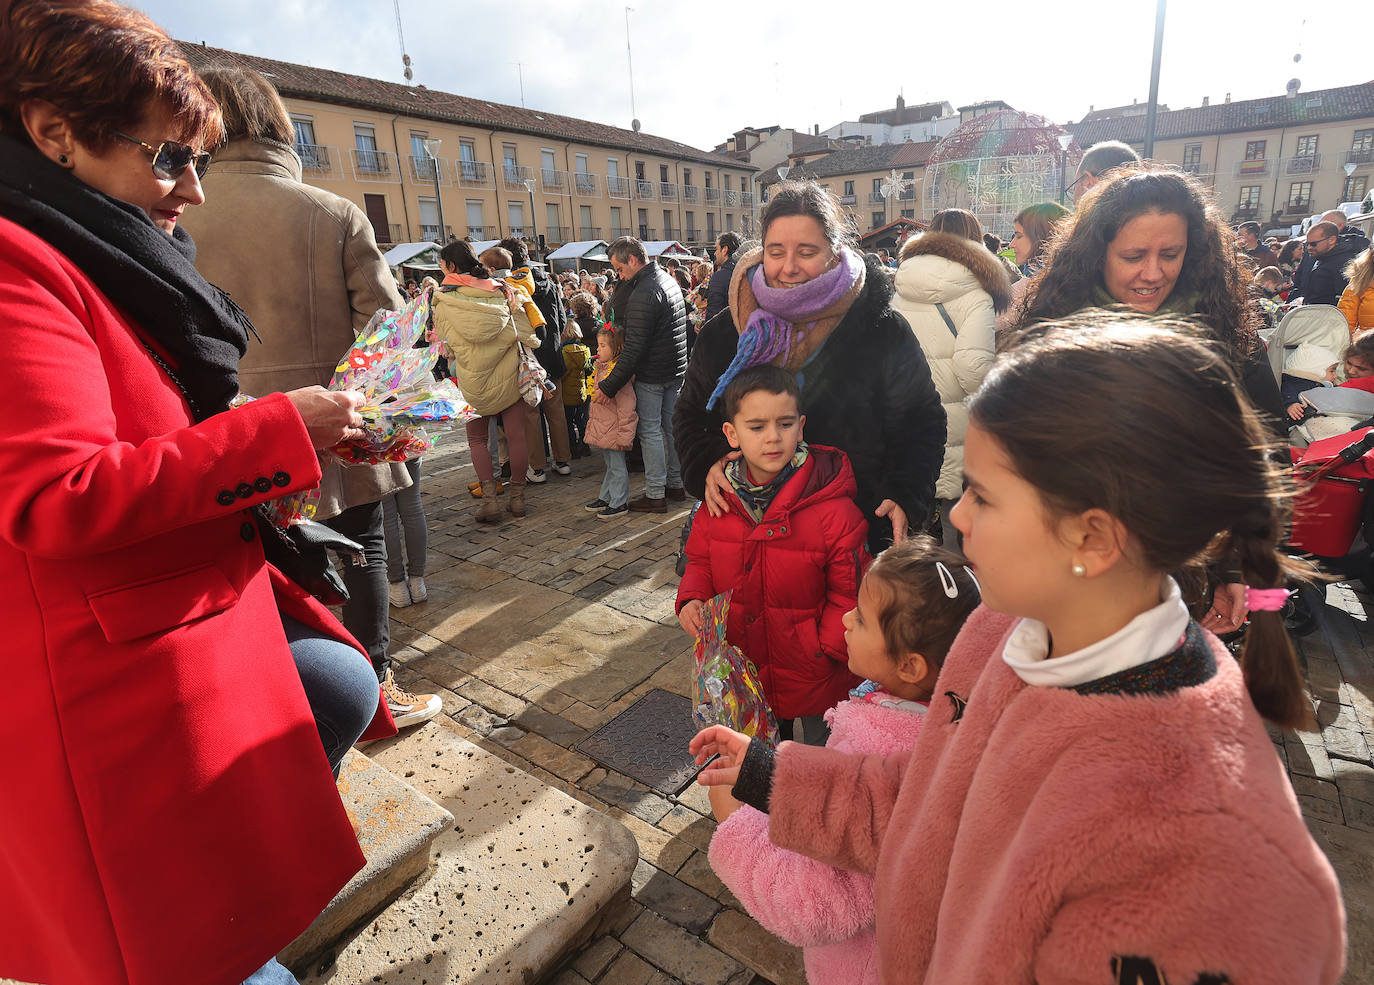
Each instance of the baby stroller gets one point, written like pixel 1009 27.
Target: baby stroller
pixel 1323 326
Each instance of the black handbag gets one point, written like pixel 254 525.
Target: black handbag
pixel 301 552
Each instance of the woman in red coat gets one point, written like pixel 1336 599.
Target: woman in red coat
pixel 168 812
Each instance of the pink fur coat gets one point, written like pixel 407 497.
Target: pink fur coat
pixel 1040 834
pixel 827 911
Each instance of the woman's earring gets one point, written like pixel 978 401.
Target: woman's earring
pixel 1078 570
pixel 61 158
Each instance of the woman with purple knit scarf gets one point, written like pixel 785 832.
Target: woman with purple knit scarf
pixel 807 302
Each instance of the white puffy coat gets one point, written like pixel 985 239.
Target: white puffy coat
pixel 972 285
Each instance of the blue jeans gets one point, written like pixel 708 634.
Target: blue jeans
pixel 615 487
pixel 402 511
pixel 655 403
pixel 340 686
pixel 271 973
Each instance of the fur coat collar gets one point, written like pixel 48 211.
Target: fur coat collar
pixel 986 269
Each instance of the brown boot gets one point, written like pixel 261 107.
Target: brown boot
pixel 490 510
pixel 516 501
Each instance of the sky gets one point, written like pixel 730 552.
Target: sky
pixel 703 69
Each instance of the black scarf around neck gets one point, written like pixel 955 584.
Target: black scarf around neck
pixel 149 275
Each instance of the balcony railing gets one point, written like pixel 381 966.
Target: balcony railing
pixel 422 170
pixel 475 174
pixel 1306 164
pixel 646 233
pixel 746 199
pixel 521 231
pixel 617 186
pixel 386 233
pixel 1252 169
pixel 667 192
pixel 693 236
pixel 876 198
pixel 557 234
pixel 514 176
pixel 429 234
pixel 712 196
pixel 481 233
pixel 1244 212
pixel 1360 155
pixel 691 194
pixel 618 231
pixel 731 198
pixel 374 165
pixel 318 162
pixel 848 199
pixel 1298 206
pixel 644 190
pixel 670 233
pixel 588 232
pixel 554 182
pixel 586 184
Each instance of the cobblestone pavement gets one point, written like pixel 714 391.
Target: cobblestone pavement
pixel 539 631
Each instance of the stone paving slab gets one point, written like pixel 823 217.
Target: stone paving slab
pixel 521 880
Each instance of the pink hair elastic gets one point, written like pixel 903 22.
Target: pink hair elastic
pixel 1265 599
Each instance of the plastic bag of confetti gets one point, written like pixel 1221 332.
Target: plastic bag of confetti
pixel 727 689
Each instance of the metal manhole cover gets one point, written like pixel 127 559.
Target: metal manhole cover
pixel 648 742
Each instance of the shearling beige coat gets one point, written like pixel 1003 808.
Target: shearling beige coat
pixel 304 265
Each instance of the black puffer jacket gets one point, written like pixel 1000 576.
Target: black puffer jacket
pixel 1327 279
pixel 655 320
pixel 718 291
pixel 550 305
pixel 866 391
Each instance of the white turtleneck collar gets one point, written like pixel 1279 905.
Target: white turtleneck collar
pixel 1147 637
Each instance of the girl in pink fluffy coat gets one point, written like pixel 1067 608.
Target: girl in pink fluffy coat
pixel 1094 798
pixel 912 603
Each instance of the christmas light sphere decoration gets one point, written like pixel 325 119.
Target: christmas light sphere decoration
pixel 996 164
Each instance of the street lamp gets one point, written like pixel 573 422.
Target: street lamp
pixel 1064 140
pixel 534 228
pixel 432 145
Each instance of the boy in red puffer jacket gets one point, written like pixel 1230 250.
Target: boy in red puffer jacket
pixel 791 546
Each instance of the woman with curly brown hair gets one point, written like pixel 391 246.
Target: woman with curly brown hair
pixel 1151 239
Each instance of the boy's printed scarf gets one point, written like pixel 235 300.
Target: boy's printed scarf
pixel 757 498
pixel 784 314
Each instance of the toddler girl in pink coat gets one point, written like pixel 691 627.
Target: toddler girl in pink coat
pixel 1094 798
pixel 912 603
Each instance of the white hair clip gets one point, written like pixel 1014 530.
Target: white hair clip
pixel 947 581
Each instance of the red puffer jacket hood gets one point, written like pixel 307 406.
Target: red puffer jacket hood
pixel 795 574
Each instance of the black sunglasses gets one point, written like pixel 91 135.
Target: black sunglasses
pixel 170 158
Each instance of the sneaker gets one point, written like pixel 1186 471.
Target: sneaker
pixel 407 708
pixel 646 505
pixel 536 476
pixel 611 512
pixel 595 506
pixel 562 468
pixel 399 594
pixel 418 591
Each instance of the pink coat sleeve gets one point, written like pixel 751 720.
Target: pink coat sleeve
pixel 802 901
pixel 832 806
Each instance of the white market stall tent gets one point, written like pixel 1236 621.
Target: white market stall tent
pixel 571 256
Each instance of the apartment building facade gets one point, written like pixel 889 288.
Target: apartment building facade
pixel 1276 160
pixel 497 170
pixel 857 176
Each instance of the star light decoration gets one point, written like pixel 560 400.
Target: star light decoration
pixel 895 184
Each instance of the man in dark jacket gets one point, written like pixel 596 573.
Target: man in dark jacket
pixel 550 356
pixel 718 292
pixel 655 357
pixel 1248 240
pixel 1331 252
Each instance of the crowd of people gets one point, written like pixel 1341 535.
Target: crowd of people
pixel 941 488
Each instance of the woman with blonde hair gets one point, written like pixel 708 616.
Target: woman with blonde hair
pixel 1357 300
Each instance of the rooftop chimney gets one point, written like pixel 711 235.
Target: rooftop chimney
pixel 1206 100
pixel 818 130
pixel 1227 99
pixel 901 103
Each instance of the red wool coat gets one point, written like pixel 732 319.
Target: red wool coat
pixel 795 575
pixel 167 812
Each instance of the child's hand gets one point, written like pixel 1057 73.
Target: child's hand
pixel 729 745
pixel 690 618
pixel 722 804
pixel 1295 411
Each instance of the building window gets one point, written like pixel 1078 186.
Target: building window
pixel 1355 188
pixel 365 142
pixel 1362 147
pixel 1254 150
pixel 849 188
pixel 424 166
pixel 476 225
pixel 644 224
pixel 663 173
pixel 429 220
pixel 313 157
pixel 516 211
pixel 727 181
pixel 729 216
pixel 687 177
pixel 1299 196
pixel 710 219
pixel 708 179
pixel 511 163
pixel 908 213
pixel 1192 157
pixel 878 187
pixel 1307 146
pixel 580 160
pixel 466 150
pixel 639 170
pixel 691 225
pixel 584 216
pixel 879 219
pixel 553 223
pixel 1249 200
pixel 617 222
pixel 612 167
